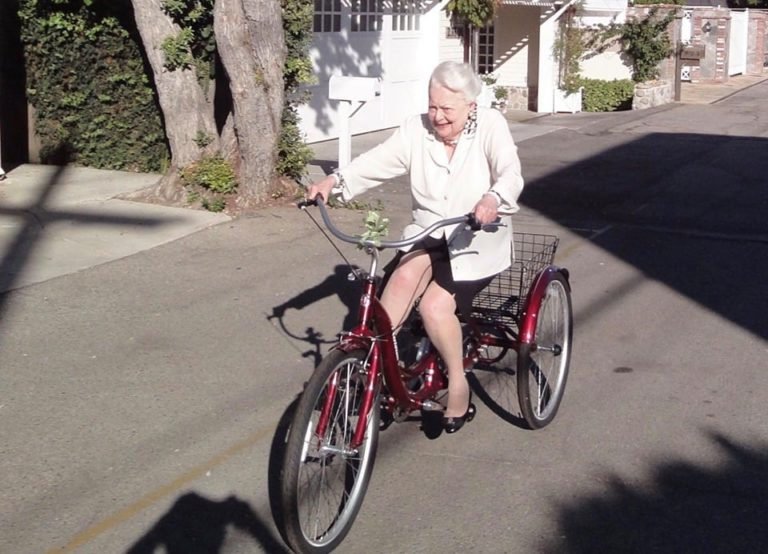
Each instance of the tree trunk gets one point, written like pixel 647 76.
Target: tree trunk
pixel 187 112
pixel 249 38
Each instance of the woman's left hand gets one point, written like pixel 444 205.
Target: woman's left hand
pixel 486 210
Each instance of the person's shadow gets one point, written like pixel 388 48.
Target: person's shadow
pixel 341 283
pixel 197 525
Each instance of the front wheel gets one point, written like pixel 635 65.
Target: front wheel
pixel 542 367
pixel 323 479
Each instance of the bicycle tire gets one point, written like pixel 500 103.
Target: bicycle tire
pixel 542 371
pixel 322 492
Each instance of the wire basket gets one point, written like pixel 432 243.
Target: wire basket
pixel 504 297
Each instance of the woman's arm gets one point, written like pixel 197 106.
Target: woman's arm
pixel 386 161
pixel 503 161
pixel 383 162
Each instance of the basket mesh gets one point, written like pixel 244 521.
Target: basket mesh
pixel 504 297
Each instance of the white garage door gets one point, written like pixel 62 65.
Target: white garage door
pixel 370 38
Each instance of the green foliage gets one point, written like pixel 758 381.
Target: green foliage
pixel 93 101
pixel 607 96
pixel 202 139
pixel 646 41
pixel 195 44
pixel 177 51
pixel 473 12
pixel 759 4
pixel 293 152
pixel 212 173
pixel 569 49
pixel 214 204
pixel 376 228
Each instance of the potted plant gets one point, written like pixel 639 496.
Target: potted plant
pixel 500 95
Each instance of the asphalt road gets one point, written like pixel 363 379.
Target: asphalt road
pixel 142 399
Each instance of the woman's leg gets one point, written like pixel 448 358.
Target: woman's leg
pixel 405 285
pixel 438 311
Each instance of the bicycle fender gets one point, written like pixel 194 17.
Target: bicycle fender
pixel 530 314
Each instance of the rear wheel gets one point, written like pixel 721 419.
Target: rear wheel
pixel 542 367
pixel 323 479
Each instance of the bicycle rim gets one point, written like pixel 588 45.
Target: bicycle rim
pixel 543 371
pixel 331 478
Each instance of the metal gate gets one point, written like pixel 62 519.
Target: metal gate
pixel 737 42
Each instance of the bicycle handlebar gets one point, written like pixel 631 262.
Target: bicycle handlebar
pixel 357 239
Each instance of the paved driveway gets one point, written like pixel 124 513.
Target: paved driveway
pixel 141 399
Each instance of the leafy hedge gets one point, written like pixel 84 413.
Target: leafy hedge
pixel 607 96
pixel 86 79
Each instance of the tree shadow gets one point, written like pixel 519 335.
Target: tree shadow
pixel 36 216
pixel 198 525
pixel 276 462
pixel 340 284
pixel 686 508
pixel 692 218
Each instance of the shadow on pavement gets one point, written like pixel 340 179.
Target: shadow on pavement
pixel 37 215
pixel 197 525
pixel 685 210
pixel 336 284
pixel 685 508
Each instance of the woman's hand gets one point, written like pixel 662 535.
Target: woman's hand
pixel 321 188
pixel 486 210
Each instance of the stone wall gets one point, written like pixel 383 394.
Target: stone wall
pixel 652 94
pixel 714 66
pixel 757 54
pixel 518 98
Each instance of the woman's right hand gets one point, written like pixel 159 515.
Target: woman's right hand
pixel 321 188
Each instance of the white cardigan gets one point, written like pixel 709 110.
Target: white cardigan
pixel 485 160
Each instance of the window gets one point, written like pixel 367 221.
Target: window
pixel 327 16
pixel 367 15
pixel 406 15
pixel 485 51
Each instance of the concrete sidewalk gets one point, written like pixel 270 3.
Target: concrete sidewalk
pixel 56 221
pixel 59 220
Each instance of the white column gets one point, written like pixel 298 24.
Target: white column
pixel 345 135
pixel 547 66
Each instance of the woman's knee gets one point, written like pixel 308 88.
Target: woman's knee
pixel 437 305
pixel 409 275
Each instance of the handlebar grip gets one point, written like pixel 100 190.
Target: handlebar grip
pixel 303 204
pixel 473 223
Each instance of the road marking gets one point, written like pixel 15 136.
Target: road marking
pixel 158 494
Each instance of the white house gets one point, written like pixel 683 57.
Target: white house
pixel 400 41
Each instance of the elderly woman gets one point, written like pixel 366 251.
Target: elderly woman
pixel 460 159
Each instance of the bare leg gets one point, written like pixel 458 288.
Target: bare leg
pixel 405 285
pixel 438 311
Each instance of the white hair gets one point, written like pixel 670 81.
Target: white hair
pixel 457 77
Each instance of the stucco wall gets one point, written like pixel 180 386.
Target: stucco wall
pixel 517 45
pixel 608 65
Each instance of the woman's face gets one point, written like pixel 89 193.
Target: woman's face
pixel 448 111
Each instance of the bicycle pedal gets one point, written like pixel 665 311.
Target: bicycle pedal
pixel 432 406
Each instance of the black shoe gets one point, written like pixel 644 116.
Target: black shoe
pixel 453 424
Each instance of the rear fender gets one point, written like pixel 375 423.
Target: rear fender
pixel 530 314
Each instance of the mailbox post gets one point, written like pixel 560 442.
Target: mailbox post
pixel 352 93
pixel 688 54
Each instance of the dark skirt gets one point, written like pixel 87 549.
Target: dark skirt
pixel 437 249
